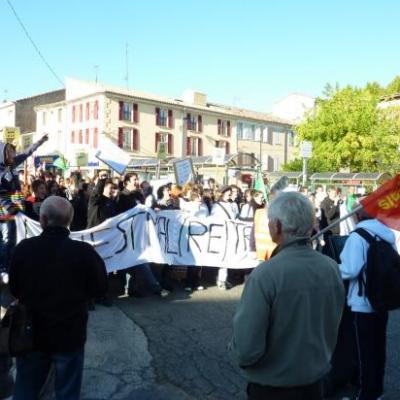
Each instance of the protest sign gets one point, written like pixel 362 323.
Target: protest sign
pixel 184 172
pixel 113 156
pixel 169 237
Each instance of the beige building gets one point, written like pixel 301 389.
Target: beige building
pixel 138 122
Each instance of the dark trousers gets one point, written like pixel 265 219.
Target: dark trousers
pixel 33 370
pixel 371 345
pixel 308 392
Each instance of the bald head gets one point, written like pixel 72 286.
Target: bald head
pixel 56 211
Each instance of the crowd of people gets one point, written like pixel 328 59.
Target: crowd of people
pixel 295 299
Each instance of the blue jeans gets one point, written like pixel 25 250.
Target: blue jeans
pixel 33 370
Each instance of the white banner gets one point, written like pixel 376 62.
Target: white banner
pixel 141 235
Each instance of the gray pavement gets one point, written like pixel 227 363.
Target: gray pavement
pixel 174 348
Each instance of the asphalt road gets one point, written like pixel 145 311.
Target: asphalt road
pixel 175 348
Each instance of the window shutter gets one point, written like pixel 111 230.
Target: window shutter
pixel 200 123
pixel 200 147
pixel 188 122
pixel 188 146
pixel 87 136
pixel 80 112
pixel 72 136
pixel 121 110
pixel 95 138
pixel 170 119
pixel 219 126
pixel 228 128
pixel 135 112
pixel 170 143
pixel 87 111
pixel 96 109
pixel 217 143
pixel 158 139
pixel 120 137
pixel 227 148
pixel 157 115
pixel 73 113
pixel 136 139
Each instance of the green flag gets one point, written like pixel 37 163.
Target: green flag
pixel 61 163
pixel 259 184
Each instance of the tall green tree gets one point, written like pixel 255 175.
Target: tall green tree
pixel 349 131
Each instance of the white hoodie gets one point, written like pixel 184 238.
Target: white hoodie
pixel 354 257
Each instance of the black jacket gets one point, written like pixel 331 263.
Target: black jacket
pixel 127 200
pixel 55 276
pixel 100 207
pixel 329 213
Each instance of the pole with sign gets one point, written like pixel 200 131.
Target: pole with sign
pixel 305 152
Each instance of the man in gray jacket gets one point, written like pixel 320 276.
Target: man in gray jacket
pixel 286 324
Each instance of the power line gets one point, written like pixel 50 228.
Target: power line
pixel 34 44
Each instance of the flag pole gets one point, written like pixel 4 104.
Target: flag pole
pixel 338 221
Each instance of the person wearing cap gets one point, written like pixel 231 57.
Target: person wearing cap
pixel 222 209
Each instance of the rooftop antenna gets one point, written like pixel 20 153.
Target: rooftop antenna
pixel 127 65
pixel 96 68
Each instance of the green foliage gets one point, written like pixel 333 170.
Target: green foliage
pixel 393 87
pixel 349 131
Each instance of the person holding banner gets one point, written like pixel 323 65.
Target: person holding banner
pixel 222 209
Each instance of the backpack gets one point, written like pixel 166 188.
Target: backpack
pixel 382 273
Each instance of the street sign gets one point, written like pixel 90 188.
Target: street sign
pixel 306 149
pixel 162 151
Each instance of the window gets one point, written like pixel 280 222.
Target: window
pixel 224 127
pixel 96 110
pixel 194 146
pixel 44 118
pixel 80 137
pixel 125 111
pixel 223 144
pixel 257 133
pixel 73 113
pixel 161 116
pixel 165 138
pixel 276 137
pixel 277 163
pixel 194 123
pixel 87 136
pixel 128 139
pixel 72 136
pixel 265 135
pixel 95 138
pixel 59 115
pixel 239 130
pixel 80 112
pixel 87 114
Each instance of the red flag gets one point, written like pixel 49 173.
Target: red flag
pixel 384 203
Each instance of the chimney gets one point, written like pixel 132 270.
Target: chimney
pixel 195 98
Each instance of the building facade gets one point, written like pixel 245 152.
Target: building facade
pixel 88 112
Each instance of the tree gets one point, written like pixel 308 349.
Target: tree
pixel 349 131
pixel 393 87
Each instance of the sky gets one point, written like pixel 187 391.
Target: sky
pixel 249 54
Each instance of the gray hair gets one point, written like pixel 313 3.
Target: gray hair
pixel 295 212
pixel 58 211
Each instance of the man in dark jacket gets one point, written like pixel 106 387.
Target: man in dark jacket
pixel 330 211
pixel 55 276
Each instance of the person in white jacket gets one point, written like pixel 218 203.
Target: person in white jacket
pixel 370 325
